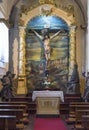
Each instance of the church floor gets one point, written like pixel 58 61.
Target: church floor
pixel 30 126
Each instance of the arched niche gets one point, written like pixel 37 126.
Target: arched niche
pixel 57 70
pixel 67 17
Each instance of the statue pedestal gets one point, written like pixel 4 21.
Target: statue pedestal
pixel 21 85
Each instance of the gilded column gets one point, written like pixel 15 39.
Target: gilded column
pixel 72 49
pixel 22 52
pixel 22 61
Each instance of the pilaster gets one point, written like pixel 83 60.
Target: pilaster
pixel 22 61
pixel 72 49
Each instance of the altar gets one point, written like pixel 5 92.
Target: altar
pixel 48 102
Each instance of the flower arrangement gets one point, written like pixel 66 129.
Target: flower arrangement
pixel 48 84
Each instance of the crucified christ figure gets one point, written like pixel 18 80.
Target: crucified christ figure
pixel 46 43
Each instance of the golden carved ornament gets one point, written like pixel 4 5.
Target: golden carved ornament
pixel 21 22
pixel 46 10
pixel 68 8
pixel 47 1
pixel 25 9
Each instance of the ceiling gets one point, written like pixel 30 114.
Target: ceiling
pixel 6 7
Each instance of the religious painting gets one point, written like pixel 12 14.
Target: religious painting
pixel 47 61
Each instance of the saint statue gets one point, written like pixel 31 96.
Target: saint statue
pixel 74 83
pixel 86 92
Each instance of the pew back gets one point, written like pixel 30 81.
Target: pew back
pixel 85 121
pixel 79 114
pixel 16 112
pixel 7 122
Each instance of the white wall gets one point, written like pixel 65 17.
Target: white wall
pixel 4 48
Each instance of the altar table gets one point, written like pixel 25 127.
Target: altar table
pixel 48 102
pixel 48 93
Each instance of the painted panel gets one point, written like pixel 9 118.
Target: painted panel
pixel 35 62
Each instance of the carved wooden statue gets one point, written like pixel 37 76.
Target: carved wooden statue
pixel 73 84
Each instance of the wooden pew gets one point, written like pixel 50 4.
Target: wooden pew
pixel 72 112
pixel 7 122
pixel 72 98
pixel 31 108
pixel 15 106
pixel 31 105
pixel 64 110
pixel 85 121
pixel 74 105
pixel 14 103
pixel 78 116
pixel 18 105
pixel 11 106
pixel 25 119
pixel 16 112
pixel 21 99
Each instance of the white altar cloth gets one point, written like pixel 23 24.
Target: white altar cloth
pixel 48 93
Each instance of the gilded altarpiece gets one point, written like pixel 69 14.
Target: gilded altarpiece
pixel 59 59
pixel 31 54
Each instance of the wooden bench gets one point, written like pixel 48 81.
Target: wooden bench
pixel 14 106
pixel 11 106
pixel 21 99
pixel 21 105
pixel 73 107
pixel 14 103
pixel 72 112
pixel 73 104
pixel 85 121
pixel 78 116
pixel 18 105
pixel 31 108
pixel 72 97
pixel 64 110
pixel 16 112
pixel 7 122
pixel 31 105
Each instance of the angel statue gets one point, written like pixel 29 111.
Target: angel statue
pixel 46 42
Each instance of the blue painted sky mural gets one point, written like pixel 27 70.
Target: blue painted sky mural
pixel 51 22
